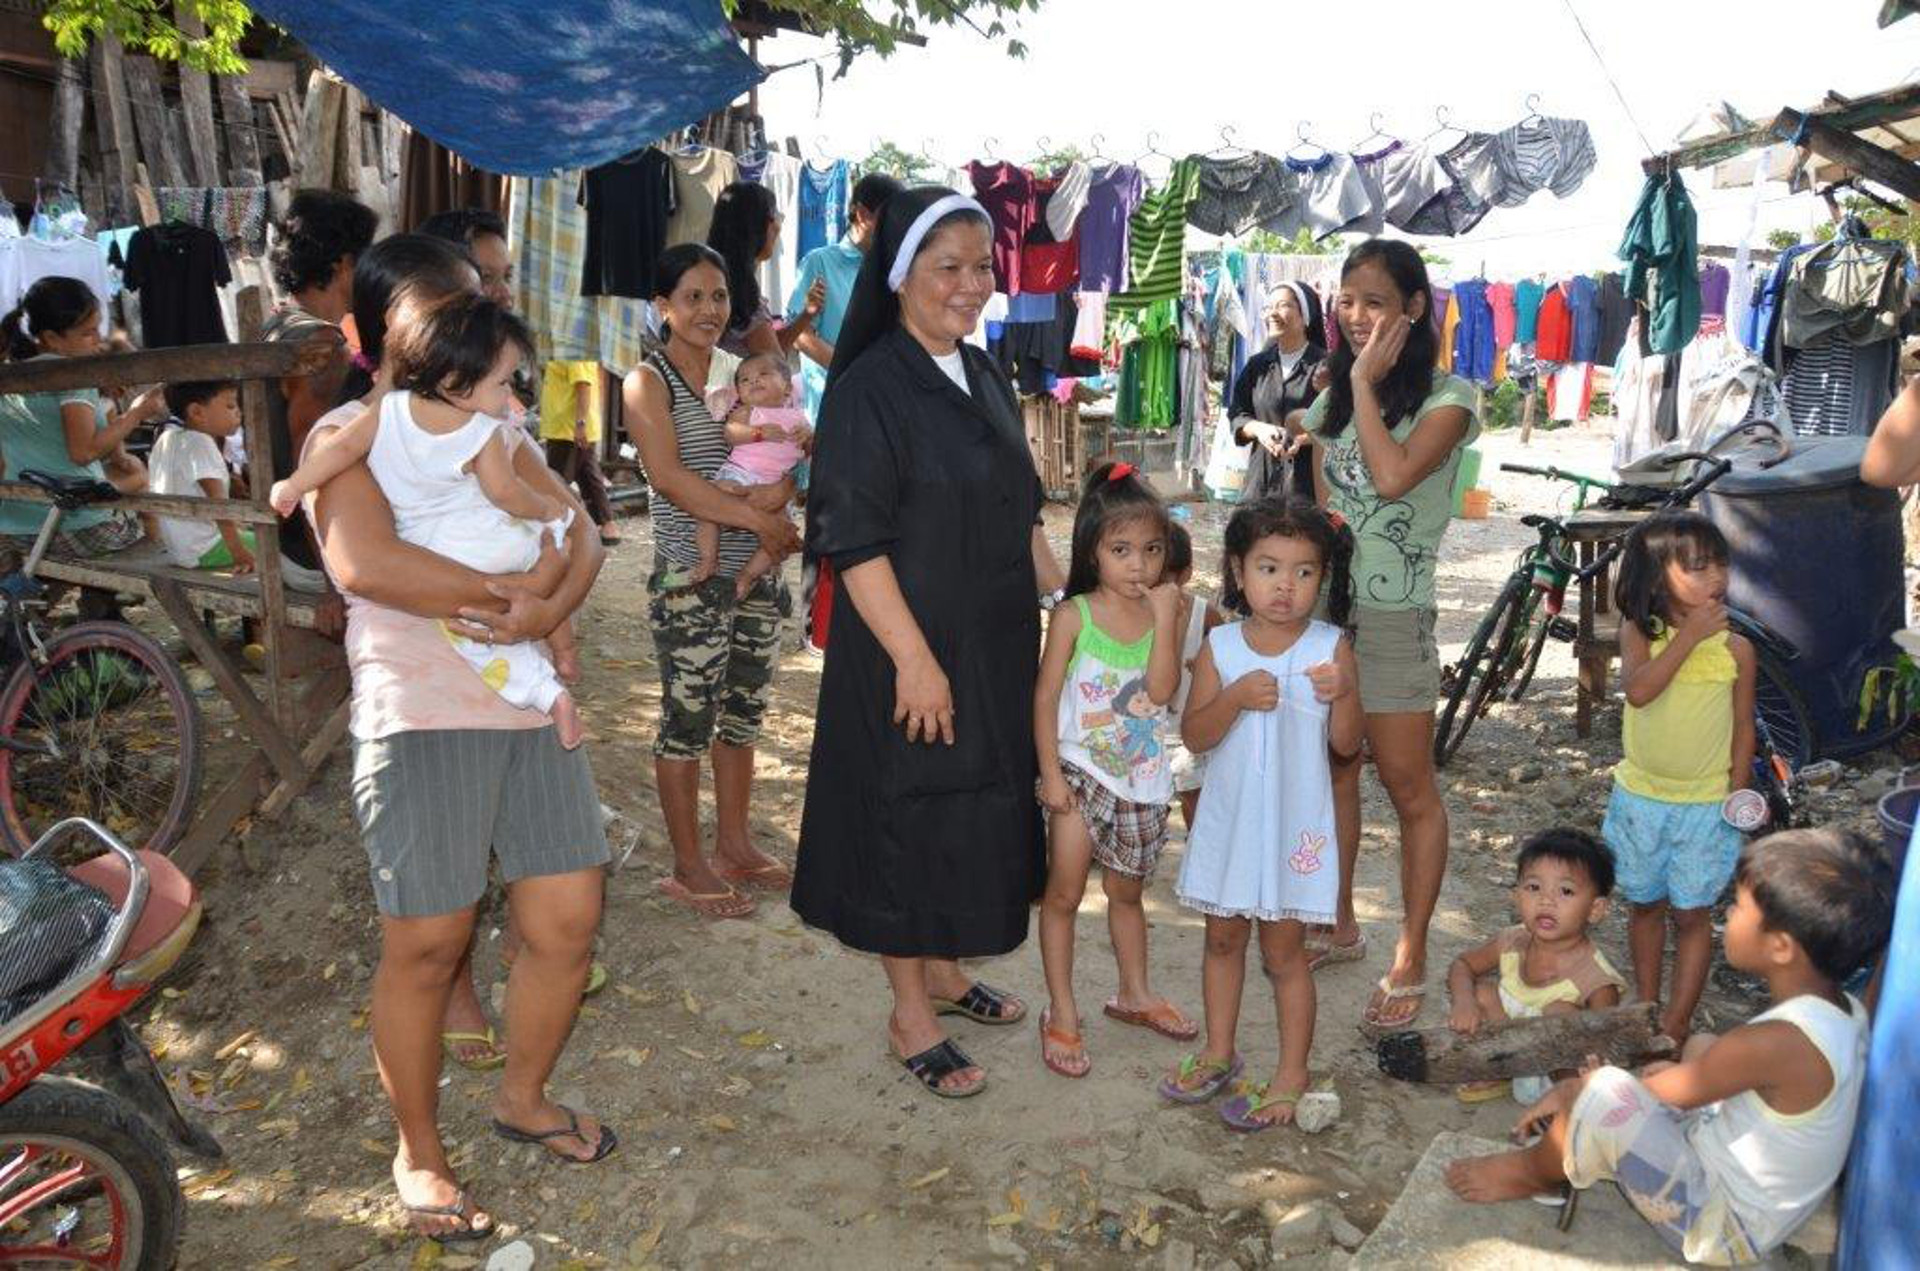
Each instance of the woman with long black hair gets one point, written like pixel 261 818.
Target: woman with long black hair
pixel 746 232
pixel 1388 432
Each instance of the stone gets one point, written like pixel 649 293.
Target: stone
pixel 1179 1256
pixel 1301 1229
pixel 1253 1252
pixel 1344 1233
pixel 1005 1247
pixel 1526 773
pixel 517 1256
pixel 1317 1111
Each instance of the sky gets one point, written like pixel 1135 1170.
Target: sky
pixel 1185 68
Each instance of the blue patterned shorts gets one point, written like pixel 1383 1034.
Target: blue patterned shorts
pixel 1682 853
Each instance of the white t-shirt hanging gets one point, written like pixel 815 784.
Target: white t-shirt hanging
pixel 1069 199
pixel 34 259
pixel 955 367
pixel 180 461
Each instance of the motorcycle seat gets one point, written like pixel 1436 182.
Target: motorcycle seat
pixel 50 925
pixel 170 896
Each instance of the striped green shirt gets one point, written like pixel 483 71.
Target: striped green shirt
pixel 1157 240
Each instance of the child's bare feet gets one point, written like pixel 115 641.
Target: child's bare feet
pixel 1505 1176
pixel 566 721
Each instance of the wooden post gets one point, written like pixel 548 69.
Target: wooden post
pixel 347 150
pixel 1522 1047
pixel 236 112
pixel 250 312
pixel 1526 418
pixel 119 154
pixel 63 141
pixel 319 131
pixel 150 118
pixel 1863 158
pixel 196 102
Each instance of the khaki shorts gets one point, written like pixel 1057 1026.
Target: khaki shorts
pixel 1399 661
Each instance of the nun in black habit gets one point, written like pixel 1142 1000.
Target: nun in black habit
pixel 1276 382
pixel 922 840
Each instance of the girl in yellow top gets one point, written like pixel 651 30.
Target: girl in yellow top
pixel 1688 738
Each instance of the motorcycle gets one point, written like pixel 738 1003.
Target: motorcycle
pixel 87 1174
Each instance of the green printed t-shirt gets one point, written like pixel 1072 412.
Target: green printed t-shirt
pixel 1397 541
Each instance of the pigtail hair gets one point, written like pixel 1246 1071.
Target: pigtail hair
pixel 1340 571
pixel 15 344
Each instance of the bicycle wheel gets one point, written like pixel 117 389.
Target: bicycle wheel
pixel 105 728
pixel 1542 628
pixel 1782 711
pixel 1469 681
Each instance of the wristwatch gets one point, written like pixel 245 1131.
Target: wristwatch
pixel 1052 598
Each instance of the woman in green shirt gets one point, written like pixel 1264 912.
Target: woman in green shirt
pixel 1388 434
pixel 64 434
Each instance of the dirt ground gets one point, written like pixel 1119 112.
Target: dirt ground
pixel 744 1062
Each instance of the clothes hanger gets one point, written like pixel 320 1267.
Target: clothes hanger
pixel 1096 144
pixel 1152 150
pixel 990 146
pixel 1444 117
pixel 1226 136
pixel 1533 111
pixel 1306 140
pixel 1377 134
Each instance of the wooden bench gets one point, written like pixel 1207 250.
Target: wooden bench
pixel 1597 642
pixel 292 727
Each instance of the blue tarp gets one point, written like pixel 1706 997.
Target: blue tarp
pixel 529 86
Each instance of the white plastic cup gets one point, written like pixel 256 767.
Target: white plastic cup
pixel 1745 810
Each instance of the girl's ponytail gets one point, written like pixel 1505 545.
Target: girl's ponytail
pixel 15 344
pixel 1340 571
pixel 53 304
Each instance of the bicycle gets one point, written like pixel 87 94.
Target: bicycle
pixel 96 719
pixel 1507 643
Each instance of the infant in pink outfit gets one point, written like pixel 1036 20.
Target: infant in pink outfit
pixel 769 436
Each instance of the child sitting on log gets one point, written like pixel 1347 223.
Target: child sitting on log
pixel 1548 965
pixel 1730 1150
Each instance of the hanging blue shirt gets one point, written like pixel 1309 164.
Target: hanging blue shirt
pixel 823 205
pixel 1474 344
pixel 1583 310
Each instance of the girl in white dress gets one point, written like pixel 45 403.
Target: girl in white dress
pixel 1273 694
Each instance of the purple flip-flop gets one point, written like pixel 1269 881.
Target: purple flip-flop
pixel 1171 1087
pixel 1242 1111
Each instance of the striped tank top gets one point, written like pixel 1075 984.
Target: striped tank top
pixel 703 448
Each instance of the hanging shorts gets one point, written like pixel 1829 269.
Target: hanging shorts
pixel 1619 1132
pixel 1680 853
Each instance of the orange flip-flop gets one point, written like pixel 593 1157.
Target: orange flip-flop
pixel 1061 1037
pixel 770 877
pixel 1162 1017
pixel 711 904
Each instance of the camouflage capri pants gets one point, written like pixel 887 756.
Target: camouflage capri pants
pixel 716 661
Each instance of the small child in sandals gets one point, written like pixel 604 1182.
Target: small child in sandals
pixel 1274 696
pixel 1111 665
pixel 1549 964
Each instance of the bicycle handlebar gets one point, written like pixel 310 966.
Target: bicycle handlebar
pixel 1556 474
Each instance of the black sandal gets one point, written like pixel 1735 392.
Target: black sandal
pixel 461 1208
pixel 936 1063
pixel 602 1149
pixel 981 1003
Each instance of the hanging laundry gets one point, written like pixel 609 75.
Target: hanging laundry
pixel 1241 194
pixel 552 235
pixel 1660 247
pixel 1500 300
pixel 1157 235
pixel 1333 196
pixel 1541 154
pixel 1089 327
pixel 822 206
pixel 1715 282
pixel 1048 263
pixel 1071 185
pixel 1372 169
pixel 1113 195
pixel 1458 208
pixel 1583 315
pixel 1616 314
pixel 1527 294
pixel 237 214
pixel 1411 179
pixel 629 204
pixel 1836 388
pixel 698 178
pixel 1474 348
pixel 25 260
pixel 1570 393
pixel 780 173
pixel 1006 191
pixel 1553 338
pixel 1447 314
pixel 1856 287
pixel 177 269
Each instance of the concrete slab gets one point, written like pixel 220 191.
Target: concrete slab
pixel 1429 1228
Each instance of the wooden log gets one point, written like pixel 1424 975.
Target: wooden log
pixel 196 103
pixel 236 114
pixel 62 166
pixel 251 312
pixel 184 506
pixel 219 815
pixel 283 133
pixel 262 729
pixel 347 150
pixel 114 124
pixel 319 131
pixel 150 121
pixel 173 365
pixel 1863 158
pixel 1522 1047
pixel 313 756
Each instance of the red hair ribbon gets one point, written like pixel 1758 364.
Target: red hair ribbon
pixel 1120 472
pixel 1338 522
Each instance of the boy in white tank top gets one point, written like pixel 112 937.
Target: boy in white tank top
pixel 1728 1151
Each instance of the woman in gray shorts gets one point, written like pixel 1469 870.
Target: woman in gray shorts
pixel 447 780
pixel 1388 433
